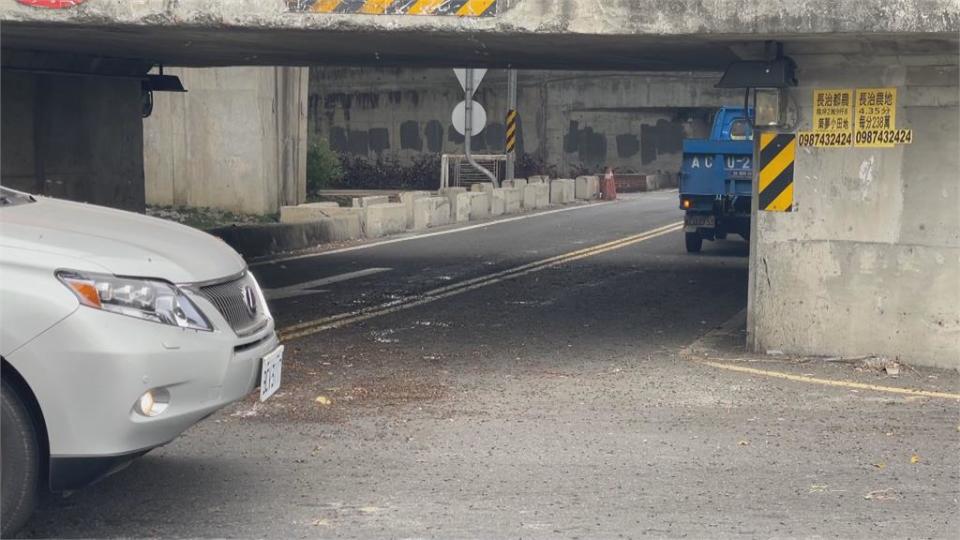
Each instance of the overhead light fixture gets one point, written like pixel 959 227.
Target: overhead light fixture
pixel 157 83
pixel 767 81
pixel 163 83
pixel 779 73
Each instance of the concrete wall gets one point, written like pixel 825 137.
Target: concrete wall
pixel 870 263
pixel 236 140
pixel 572 122
pixel 74 137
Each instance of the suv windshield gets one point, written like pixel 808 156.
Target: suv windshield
pixel 9 197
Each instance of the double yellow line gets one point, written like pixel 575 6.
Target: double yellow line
pixel 344 319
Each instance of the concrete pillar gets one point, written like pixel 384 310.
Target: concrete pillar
pixel 869 263
pixel 75 137
pixel 236 140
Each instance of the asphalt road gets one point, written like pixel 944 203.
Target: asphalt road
pixel 559 400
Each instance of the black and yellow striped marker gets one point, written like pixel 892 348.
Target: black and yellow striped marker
pixel 458 8
pixel 511 131
pixel 778 151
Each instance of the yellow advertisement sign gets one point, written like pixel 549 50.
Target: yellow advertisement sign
pixel 865 118
pixel 832 119
pixel 875 124
pixel 832 110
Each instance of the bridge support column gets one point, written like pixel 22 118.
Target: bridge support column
pixel 237 140
pixel 72 127
pixel 869 261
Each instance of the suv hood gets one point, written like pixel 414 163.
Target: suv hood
pixel 124 243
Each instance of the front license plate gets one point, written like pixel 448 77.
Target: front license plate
pixel 270 373
pixel 701 221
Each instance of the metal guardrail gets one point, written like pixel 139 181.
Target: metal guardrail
pixel 455 171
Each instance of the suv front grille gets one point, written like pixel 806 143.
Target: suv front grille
pixel 231 300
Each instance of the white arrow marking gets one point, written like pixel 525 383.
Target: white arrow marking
pixel 304 288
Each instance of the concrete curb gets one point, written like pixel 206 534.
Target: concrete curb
pixel 313 224
pixel 270 238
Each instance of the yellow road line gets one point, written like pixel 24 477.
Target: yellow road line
pixel 477 279
pixel 831 382
pixel 344 319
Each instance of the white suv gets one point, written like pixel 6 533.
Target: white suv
pixel 117 333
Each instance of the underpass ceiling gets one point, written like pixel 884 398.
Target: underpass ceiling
pixel 222 47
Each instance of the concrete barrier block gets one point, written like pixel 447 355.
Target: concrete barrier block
pixel 460 207
pixel 538 179
pixel 343 227
pixel 257 240
pixel 515 183
pixel 304 212
pixel 482 187
pixel 479 205
pixel 562 191
pixel 407 198
pixel 383 219
pixel 587 188
pixel 452 191
pixel 363 202
pixel 536 196
pixel 498 202
pixel 660 181
pixel 513 200
pixel 431 212
pixel 459 203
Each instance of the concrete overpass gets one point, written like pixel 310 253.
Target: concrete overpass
pixel 558 34
pixel 868 263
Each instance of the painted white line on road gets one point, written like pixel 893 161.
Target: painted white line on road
pixel 302 288
pixel 343 319
pixel 429 235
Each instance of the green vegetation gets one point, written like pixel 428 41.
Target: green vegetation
pixel 323 167
pixel 207 218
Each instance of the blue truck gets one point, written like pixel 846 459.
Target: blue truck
pixel 716 179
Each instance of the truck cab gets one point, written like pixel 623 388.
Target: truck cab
pixel 716 179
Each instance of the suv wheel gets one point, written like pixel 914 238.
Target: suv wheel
pixel 19 462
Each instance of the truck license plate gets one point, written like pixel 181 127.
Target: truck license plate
pixel 700 221
pixel 270 371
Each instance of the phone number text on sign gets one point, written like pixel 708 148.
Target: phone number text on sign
pixel 885 137
pixel 824 139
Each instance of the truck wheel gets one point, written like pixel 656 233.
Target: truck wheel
pixel 19 462
pixel 694 242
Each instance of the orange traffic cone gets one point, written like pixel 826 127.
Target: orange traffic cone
pixel 608 186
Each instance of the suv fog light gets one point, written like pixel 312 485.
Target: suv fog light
pixel 153 402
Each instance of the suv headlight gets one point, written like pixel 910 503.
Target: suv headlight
pixel 147 299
